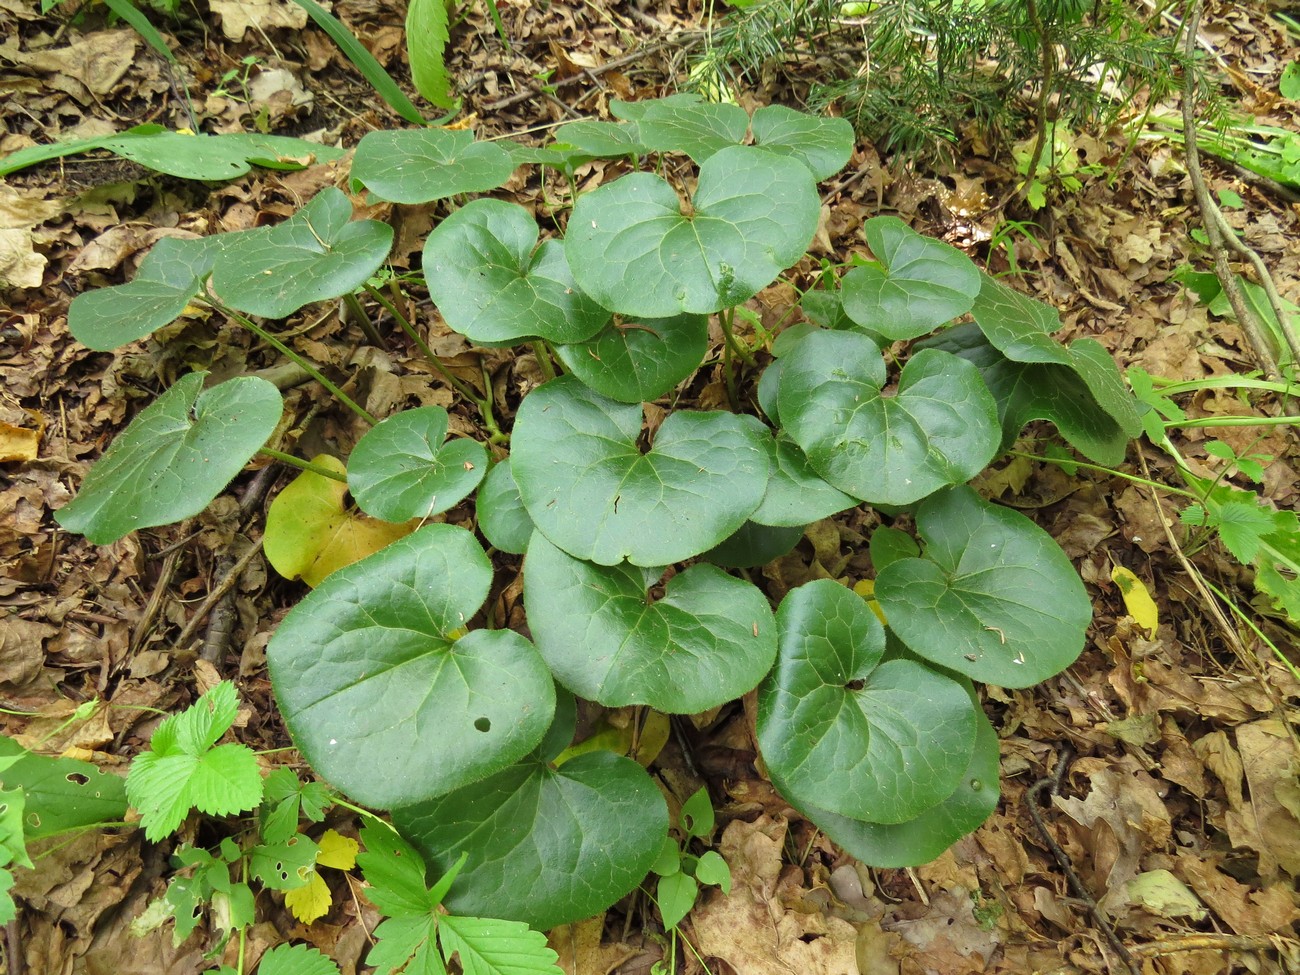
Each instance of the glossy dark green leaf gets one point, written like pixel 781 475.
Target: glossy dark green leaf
pixel 401 469
pixel 318 253
pixel 923 839
pixel 890 545
pixel 493 283
pixel 175 457
pixel 593 493
pixel 502 518
pixel 796 494
pixel 422 165
pixel 685 123
pixel 842 731
pixel 754 544
pixel 993 596
pixel 939 428
pixel 639 361
pixel 385 693
pixel 546 846
pixel 62 794
pixel 916 284
pixel 822 144
pixel 1018 326
pixel 634 249
pixel 708 640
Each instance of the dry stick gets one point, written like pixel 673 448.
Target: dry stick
pixel 218 592
pixel 1211 941
pixel 1052 784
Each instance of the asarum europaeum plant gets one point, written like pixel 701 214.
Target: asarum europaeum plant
pixel 397 697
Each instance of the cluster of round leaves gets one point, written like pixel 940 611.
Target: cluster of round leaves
pixel 390 694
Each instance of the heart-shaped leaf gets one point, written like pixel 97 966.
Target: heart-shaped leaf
pixel 601 140
pixel 565 843
pixel 175 457
pixel 916 285
pixel 1020 327
pixel 168 279
pixel 635 251
pixel 422 165
pixel 993 597
pixel 502 518
pixel 311 531
pixel 822 144
pixel 685 123
pixel 401 469
pixel 637 362
pixel 318 253
pixel 591 491
pixel 1027 391
pixel 940 428
pixel 796 495
pixel 385 693
pixel 710 639
pixel 924 838
pixel 842 731
pixel 493 283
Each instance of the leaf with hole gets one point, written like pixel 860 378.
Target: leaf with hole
pixel 594 494
pixel 992 597
pixel 493 282
pixel 684 123
pixel 939 428
pixel 915 284
pixel 710 637
pixel 635 249
pixel 423 165
pixel 62 794
pixel 639 361
pixel 318 253
pixel 874 741
pixel 175 457
pixel 401 469
pixel 822 144
pixel 385 693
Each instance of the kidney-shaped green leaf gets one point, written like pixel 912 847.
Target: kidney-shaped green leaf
pixel 940 428
pixel 493 283
pixel 600 140
pixel 175 457
pixel 401 469
pixel 422 165
pixel 708 640
pixel 546 846
pixel 592 492
pixel 318 253
pixel 1020 327
pixel 384 692
pixel 796 495
pixel 684 123
pixel 924 838
pixel 842 731
pixel 635 251
pixel 993 596
pixel 822 144
pixel 637 362
pixel 916 285
pixel 502 518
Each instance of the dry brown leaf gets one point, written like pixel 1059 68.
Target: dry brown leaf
pixel 22 650
pixel 18 443
pixel 948 938
pixel 1250 912
pixel 1268 822
pixel 20 265
pixel 580 950
pixel 237 16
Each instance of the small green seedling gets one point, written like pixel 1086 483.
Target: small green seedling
pixel 681 872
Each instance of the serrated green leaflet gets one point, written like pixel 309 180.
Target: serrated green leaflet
pixel 318 253
pixel 565 842
pixel 923 839
pixel 635 251
pixel 591 491
pixel 423 165
pixel 600 140
pixel 296 960
pixel 824 145
pixel 754 544
pixel 684 123
pixel 381 691
pixel 175 457
pixel 1027 391
pixel 426 44
pixel 61 793
pixel 639 361
pixel 940 428
pixel 168 279
pixel 796 495
pixel 502 518
pixel 709 639
pixel 993 596
pixel 494 283
pixel 872 741
pixel 917 284
pixel 488 946
pixel 401 469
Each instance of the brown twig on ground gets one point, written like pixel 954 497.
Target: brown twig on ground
pixel 1052 785
pixel 1210 941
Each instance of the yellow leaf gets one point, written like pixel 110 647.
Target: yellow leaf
pixel 309 902
pixel 1137 600
pixel 866 588
pixel 336 851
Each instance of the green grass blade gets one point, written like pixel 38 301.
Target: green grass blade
pixel 132 14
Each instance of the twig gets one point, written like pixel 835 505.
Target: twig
pixel 1052 785
pixel 222 587
pixel 1210 941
